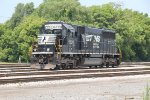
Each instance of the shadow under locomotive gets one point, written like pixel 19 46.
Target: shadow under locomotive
pixel 61 46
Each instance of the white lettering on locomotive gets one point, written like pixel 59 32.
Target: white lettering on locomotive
pixel 96 38
pixel 53 26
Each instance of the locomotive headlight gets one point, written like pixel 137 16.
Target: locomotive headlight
pixel 34 49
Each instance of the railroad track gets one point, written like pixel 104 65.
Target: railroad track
pixel 15 74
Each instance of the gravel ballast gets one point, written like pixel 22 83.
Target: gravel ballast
pixel 108 88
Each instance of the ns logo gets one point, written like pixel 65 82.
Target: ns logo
pixel 93 38
pixel 97 38
pixel 44 39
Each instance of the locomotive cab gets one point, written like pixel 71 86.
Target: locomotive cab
pixel 49 46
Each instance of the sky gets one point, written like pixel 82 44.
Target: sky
pixel 7 7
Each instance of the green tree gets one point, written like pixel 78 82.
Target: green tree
pixel 26 34
pixel 21 11
pixel 64 10
pixel 106 15
pixel 7 44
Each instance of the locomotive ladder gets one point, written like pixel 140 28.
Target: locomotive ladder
pixel 58 52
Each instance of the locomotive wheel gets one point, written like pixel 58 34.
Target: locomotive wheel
pixel 113 65
pixel 71 66
pixel 57 67
pixel 102 65
pixel 118 62
pixel 63 66
pixel 95 66
pixel 107 64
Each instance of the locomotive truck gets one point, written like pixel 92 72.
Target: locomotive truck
pixel 62 45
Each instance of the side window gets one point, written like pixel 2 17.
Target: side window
pixel 48 31
pixel 64 33
pixel 70 34
pixel 76 34
pixel 57 31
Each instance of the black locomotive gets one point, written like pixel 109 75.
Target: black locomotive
pixel 61 45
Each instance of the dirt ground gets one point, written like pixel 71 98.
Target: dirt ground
pixel 110 88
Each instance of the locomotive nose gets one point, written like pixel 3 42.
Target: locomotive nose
pixel 46 39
